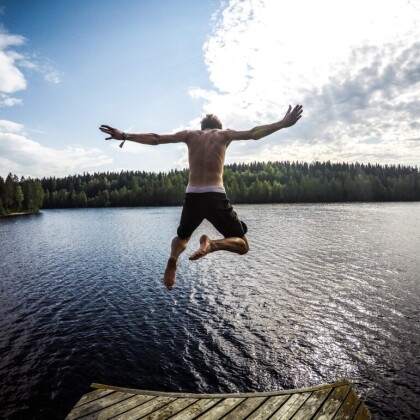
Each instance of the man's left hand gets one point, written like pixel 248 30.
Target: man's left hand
pixel 113 132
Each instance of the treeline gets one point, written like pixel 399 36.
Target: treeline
pixel 115 189
pixel 20 195
pixel 272 182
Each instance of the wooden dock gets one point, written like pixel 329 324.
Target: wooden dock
pixel 333 401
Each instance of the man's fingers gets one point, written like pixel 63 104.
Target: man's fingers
pixel 109 130
pixel 297 110
pixel 294 114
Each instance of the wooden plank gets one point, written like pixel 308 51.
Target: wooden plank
pixel 292 405
pixel 221 409
pixel 362 413
pixel 312 404
pixel 146 408
pixel 94 395
pixel 319 402
pixel 171 409
pixel 246 408
pixel 98 404
pixel 333 403
pixel 269 407
pixel 119 408
pixel 196 409
pixel 349 407
pixel 232 395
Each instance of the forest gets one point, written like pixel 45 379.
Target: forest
pixel 258 182
pixel 20 195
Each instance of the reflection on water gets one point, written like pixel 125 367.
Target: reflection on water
pixel 326 292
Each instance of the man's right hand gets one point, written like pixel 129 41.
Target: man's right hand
pixel 292 117
pixel 113 132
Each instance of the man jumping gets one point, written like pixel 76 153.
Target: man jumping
pixel 205 197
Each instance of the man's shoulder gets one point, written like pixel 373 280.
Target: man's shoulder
pixel 214 132
pixel 213 135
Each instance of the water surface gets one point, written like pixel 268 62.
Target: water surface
pixel 327 292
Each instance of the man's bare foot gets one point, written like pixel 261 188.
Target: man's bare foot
pixel 170 273
pixel 205 248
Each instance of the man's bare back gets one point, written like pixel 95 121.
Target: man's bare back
pixel 206 156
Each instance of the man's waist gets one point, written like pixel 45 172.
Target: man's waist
pixel 205 188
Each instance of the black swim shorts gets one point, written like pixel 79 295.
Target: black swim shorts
pixel 216 208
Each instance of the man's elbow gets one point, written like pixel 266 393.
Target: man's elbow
pixel 256 134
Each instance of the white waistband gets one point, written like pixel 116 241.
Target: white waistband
pixel 205 188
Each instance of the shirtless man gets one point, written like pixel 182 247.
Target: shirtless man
pixel 205 196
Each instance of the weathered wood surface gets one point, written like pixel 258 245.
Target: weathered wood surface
pixel 336 401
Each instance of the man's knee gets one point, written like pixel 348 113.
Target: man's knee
pixel 182 242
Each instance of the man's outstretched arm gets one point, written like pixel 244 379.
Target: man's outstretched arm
pixel 150 138
pixel 291 118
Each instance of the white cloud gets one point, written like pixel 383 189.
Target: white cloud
pixel 12 79
pixel 9 40
pixel 6 100
pixel 18 153
pixel 354 66
pixel 11 127
pixel 51 75
pixel 23 156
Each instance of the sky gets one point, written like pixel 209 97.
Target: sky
pixel 68 66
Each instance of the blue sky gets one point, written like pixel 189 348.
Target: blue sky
pixel 158 66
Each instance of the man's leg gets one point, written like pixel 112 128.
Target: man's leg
pixel 207 245
pixel 219 212
pixel 178 246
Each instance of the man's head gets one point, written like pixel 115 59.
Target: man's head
pixel 210 121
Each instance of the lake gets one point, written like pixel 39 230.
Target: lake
pixel 327 291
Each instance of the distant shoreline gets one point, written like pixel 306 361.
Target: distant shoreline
pixel 17 214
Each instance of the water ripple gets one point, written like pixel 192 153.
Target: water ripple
pixel 326 292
